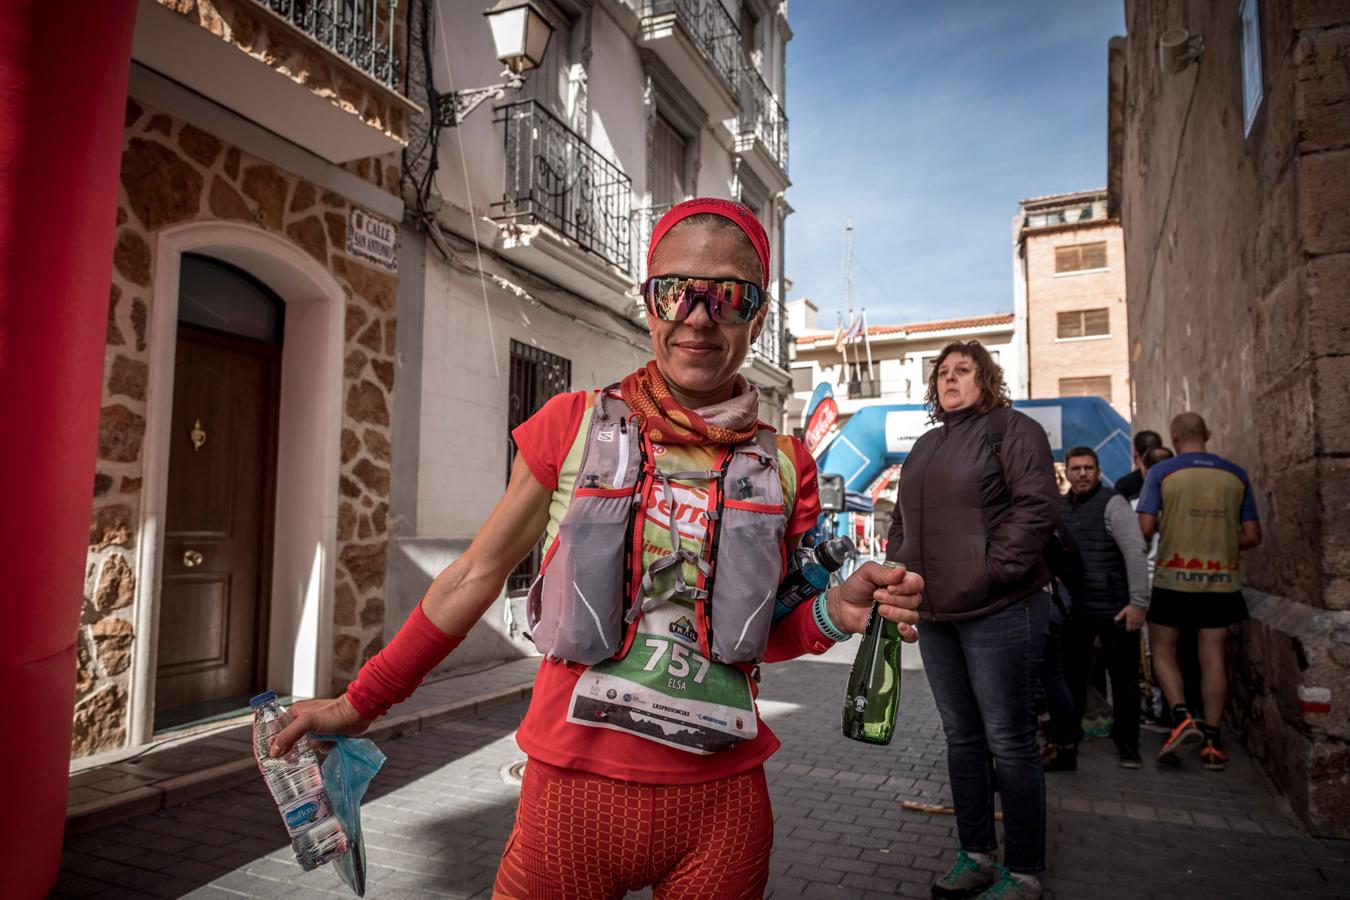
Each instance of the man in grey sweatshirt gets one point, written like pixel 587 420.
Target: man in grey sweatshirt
pixel 1112 601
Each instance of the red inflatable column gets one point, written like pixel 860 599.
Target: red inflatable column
pixel 63 88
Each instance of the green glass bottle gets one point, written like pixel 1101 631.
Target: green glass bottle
pixel 873 698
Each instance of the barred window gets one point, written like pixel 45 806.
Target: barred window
pixel 1091 386
pixel 1080 257
pixel 536 376
pixel 1084 323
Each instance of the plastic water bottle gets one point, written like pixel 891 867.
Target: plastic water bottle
pixel 810 572
pixel 297 787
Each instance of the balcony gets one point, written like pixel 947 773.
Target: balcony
pixel 360 32
pixel 770 348
pixel 565 209
pixel 864 387
pixel 762 131
pixel 319 73
pixel 644 220
pixel 700 43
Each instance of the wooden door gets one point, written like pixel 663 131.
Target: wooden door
pixel 218 526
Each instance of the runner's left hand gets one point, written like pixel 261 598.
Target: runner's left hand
pixel 895 589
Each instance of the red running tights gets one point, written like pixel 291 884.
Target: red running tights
pixel 585 837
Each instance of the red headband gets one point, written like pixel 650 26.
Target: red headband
pixel 734 212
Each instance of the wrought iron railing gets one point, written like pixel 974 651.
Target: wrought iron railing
pixel 554 177
pixel 536 376
pixel 360 31
pixel 644 220
pixel 771 346
pixel 711 28
pixel 762 116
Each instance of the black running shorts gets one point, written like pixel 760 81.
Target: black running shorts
pixel 1196 610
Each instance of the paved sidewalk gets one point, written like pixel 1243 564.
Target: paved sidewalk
pixel 118 786
pixel 438 815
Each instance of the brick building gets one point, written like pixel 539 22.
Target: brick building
pixel 1069 290
pixel 1231 175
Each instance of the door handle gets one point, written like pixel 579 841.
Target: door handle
pixel 192 559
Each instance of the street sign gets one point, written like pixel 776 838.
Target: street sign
pixel 372 238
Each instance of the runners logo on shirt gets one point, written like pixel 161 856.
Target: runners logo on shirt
pixel 683 628
pixel 690 505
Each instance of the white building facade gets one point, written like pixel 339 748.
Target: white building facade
pixel 902 356
pixel 537 209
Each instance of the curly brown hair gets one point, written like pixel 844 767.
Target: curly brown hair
pixel 988 375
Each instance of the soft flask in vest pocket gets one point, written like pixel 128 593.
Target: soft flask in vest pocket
pixel 575 606
pixel 749 552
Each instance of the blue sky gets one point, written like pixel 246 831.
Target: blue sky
pixel 926 121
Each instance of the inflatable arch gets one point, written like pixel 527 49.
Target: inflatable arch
pixel 876 437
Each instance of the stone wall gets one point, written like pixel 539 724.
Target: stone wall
pixel 1238 255
pixel 173 172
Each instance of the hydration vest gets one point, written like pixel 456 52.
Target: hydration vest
pixel 592 589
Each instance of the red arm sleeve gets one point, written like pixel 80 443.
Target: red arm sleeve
pixel 796 634
pixel 807 508
pixel 544 438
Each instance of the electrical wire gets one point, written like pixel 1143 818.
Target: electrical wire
pixel 473 217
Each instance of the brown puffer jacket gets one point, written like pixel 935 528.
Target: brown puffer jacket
pixel 974 525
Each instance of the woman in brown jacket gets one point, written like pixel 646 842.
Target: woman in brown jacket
pixel 977 505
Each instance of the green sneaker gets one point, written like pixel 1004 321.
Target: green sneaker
pixel 966 878
pixel 1011 887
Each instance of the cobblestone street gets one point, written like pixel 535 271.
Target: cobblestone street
pixel 438 815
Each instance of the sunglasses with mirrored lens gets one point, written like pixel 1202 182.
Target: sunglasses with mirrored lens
pixel 729 300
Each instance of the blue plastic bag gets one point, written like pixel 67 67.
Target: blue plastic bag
pixel 347 772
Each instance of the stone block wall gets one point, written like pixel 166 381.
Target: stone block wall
pixel 173 172
pixel 1238 259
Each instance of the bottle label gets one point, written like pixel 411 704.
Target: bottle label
pixel 303 813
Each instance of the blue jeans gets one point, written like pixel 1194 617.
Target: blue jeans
pixel 984 674
pixel 1065 729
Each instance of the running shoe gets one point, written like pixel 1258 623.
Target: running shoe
pixel 1211 757
pixel 1130 758
pixel 966 878
pixel 1186 734
pixel 1010 887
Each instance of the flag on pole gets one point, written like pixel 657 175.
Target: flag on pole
pixel 839 338
pixel 856 327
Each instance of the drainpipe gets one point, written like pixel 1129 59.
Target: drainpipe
pixel 63 90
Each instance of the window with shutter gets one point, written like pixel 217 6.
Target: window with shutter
pixel 1083 323
pixel 669 150
pixel 1080 257
pixel 1091 386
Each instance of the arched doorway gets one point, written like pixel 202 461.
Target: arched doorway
pixel 293 623
pixel 215 577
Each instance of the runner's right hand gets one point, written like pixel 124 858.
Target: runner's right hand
pixel 319 716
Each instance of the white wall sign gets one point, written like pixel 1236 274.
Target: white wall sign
pixel 1051 418
pixel 904 427
pixel 370 237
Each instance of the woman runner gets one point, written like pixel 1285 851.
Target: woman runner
pixel 669 510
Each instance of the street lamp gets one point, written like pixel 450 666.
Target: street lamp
pixel 521 34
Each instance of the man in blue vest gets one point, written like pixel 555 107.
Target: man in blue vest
pixel 1112 601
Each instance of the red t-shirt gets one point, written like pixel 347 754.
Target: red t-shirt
pixel 543 442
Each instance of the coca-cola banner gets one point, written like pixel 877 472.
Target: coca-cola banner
pixel 820 425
